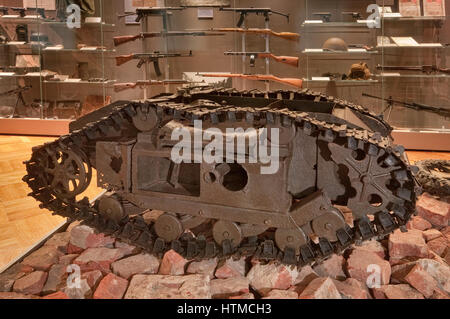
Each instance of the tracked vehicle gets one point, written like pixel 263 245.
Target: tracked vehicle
pixel 334 157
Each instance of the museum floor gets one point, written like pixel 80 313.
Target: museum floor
pixel 22 223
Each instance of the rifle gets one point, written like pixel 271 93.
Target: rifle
pixel 19 93
pixel 414 106
pixel 284 35
pixel 119 87
pixel 21 11
pixel 326 16
pixel 428 69
pixel 289 60
pixel 354 15
pixel 298 83
pixel 245 11
pixel 39 11
pixel 130 38
pixel 143 12
pixel 4 10
pixel 149 57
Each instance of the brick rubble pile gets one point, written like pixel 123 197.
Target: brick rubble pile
pixel 411 265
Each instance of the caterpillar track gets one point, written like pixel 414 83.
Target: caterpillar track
pixel 331 154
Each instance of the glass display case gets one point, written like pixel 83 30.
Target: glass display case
pixel 388 53
pixel 52 63
pixel 374 53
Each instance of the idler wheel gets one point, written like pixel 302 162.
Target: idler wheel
pixel 111 209
pixel 68 172
pixel 294 238
pixel 145 121
pixel 168 227
pixel 224 230
pixel 328 224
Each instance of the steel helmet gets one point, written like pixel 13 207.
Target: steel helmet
pixel 335 44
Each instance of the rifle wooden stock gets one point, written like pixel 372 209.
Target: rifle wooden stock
pixel 125 39
pixel 289 60
pixel 122 59
pixel 298 83
pixel 284 35
pixel 119 87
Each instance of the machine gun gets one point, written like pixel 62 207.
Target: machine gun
pixel 19 93
pixel 428 69
pixel 119 87
pixel 289 60
pixel 130 38
pixel 325 16
pixel 149 57
pixel 298 83
pixel 244 12
pixel 284 35
pixel 414 106
pixel 4 10
pixel 143 12
pixel 39 11
pixel 354 15
pixel 21 11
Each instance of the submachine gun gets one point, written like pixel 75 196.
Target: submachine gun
pixel 144 12
pixel 244 12
pixel 149 57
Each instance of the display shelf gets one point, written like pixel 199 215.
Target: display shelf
pixel 422 46
pixel 420 76
pixel 34 20
pixel 432 140
pixel 355 24
pixel 308 52
pixel 34 127
pixel 106 83
pixel 409 19
pixel 342 82
pixel 45 49
pixel 80 51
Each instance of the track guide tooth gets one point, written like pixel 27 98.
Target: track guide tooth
pixel 227 248
pixel 176 246
pixel 289 256
pixel 326 248
pixel 159 246
pixel 386 221
pixel 344 237
pixel 404 193
pixel 307 254
pixel 365 229
pixel 192 250
pixel 210 250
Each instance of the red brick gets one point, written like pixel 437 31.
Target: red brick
pixel 321 288
pixel 435 211
pixel 422 281
pixel 418 223
pixel 359 262
pixel 409 244
pixel 172 264
pixel 111 287
pixel 31 284
pixel 57 295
